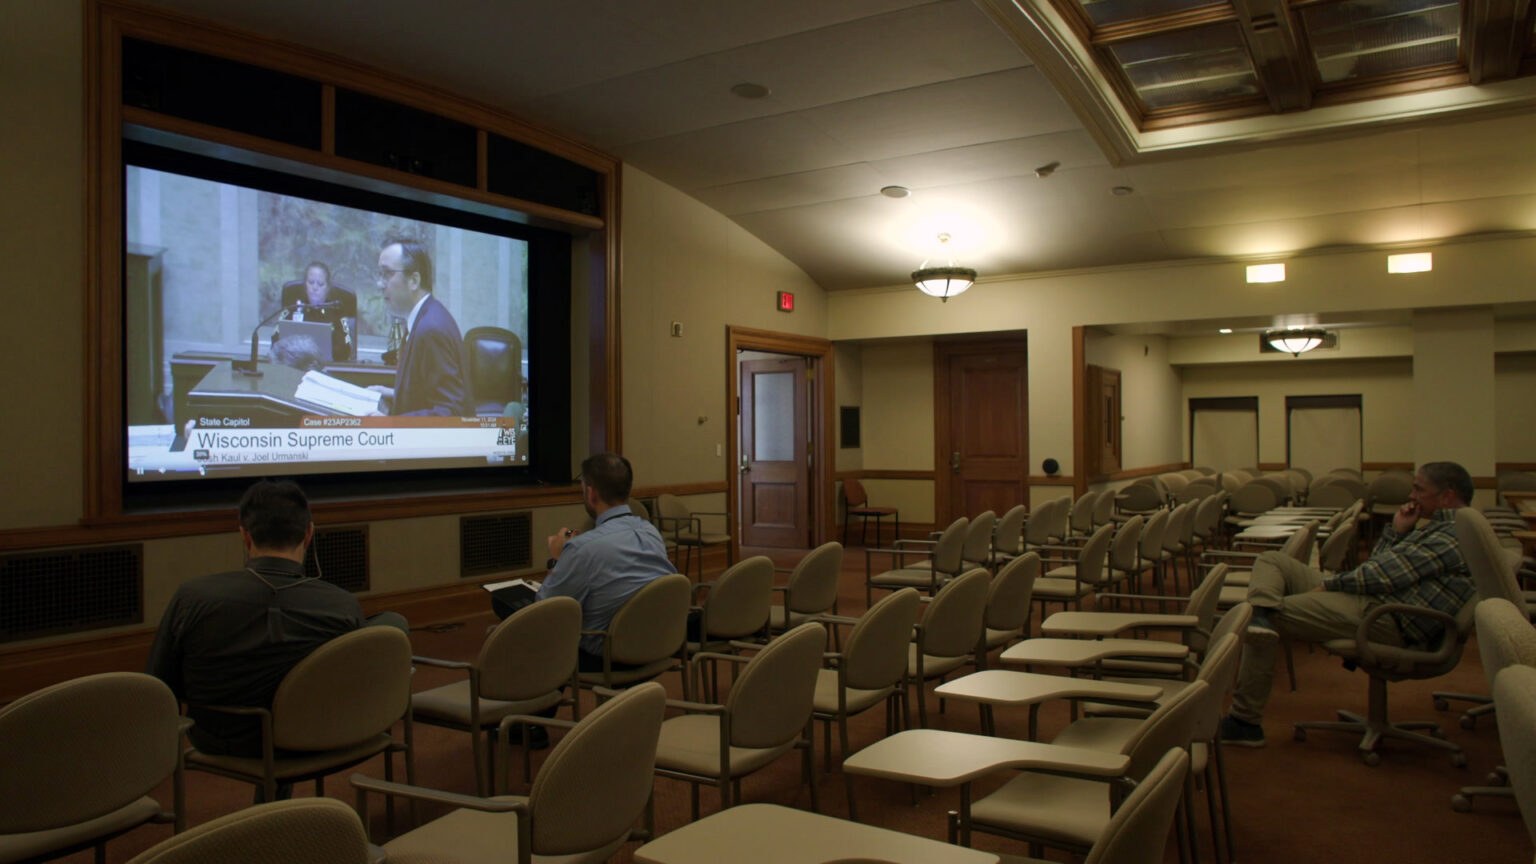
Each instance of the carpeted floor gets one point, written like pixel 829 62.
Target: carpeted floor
pixel 1291 801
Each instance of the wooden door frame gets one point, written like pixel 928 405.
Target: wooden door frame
pixel 749 339
pixel 943 351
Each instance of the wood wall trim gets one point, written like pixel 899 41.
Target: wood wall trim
pixel 1133 473
pixel 25 667
pixel 708 487
pixel 1385 466
pixel 1272 466
pixel 1514 466
pixel 1061 480
pixel 1485 482
pixel 541 215
pixel 196 34
pixel 1079 408
pixel 884 474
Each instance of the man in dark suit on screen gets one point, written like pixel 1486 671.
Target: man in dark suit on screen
pixel 429 374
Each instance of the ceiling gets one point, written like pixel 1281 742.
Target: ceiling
pixel 958 101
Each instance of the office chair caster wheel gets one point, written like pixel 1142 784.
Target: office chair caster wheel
pixel 1461 803
pixel 1468 721
pixel 1299 735
pixel 1458 760
pixel 1371 758
pixel 1442 705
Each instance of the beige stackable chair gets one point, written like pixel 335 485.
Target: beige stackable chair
pixel 1151 547
pixel 1384 663
pixel 1505 638
pixel 1200 604
pixel 949 632
pixel 767 714
pixel 1326 493
pixel 811 589
pixel 1137 833
pixel 685 528
pixel 1198 490
pixel 521 668
pixel 1514 691
pixel 1138 499
pixel 1219 672
pixel 303 831
pixel 1177 537
pixel 1205 523
pixel 1008 542
pixel 1125 564
pixel 1493 572
pixel 1068 584
pixel 1080 518
pixel 1174 481
pixel 856 503
pixel 1044 525
pixel 1070 813
pixel 333 710
pixel 1104 507
pixel 583 804
pixel 117 734
pixel 943 562
pixel 736 606
pixel 870 669
pixel 646 635
pixel 1007 614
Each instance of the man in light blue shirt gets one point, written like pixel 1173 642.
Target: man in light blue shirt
pixel 602 567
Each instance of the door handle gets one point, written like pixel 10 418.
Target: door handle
pixel 954 462
pixel 745 468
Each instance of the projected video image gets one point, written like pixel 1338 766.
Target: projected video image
pixel 273 334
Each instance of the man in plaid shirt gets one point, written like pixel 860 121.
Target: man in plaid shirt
pixel 1416 562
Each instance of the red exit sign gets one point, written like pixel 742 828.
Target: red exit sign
pixel 786 301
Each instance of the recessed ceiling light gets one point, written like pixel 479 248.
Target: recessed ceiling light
pixel 1411 262
pixel 1122 191
pixel 748 90
pixel 895 191
pixel 1266 272
pixel 1225 330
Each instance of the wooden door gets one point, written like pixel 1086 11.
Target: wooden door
pixel 775 475
pixel 1102 450
pixel 982 411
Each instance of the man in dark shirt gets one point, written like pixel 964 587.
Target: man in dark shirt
pixel 229 638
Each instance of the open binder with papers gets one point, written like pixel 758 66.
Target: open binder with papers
pixel 336 394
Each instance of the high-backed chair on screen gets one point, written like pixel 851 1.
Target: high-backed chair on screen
pixel 494 360
pixel 522 667
pixel 81 761
pixel 856 503
pixel 686 528
pixel 584 803
pixel 302 831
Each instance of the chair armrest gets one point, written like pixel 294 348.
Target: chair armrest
pixel 1228 553
pixel 1055 548
pixel 363 783
pixel 696 707
pixel 441 664
pixel 715 655
pixel 783 569
pixel 836 619
pixel 532 720
pixel 235 709
pixel 1449 644
pixel 704 586
pixel 1156 598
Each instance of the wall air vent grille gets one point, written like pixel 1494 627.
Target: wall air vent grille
pixel 340 557
pixel 66 591
pixel 495 544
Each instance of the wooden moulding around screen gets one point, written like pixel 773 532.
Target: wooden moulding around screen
pixel 823 526
pixel 107 23
pixel 883 474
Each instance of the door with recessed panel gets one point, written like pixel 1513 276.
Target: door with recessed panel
pixel 775 459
